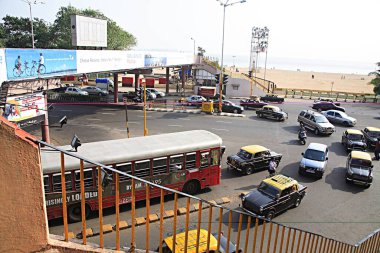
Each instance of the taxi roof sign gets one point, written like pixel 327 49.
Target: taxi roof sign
pixel 253 149
pixel 192 242
pixel 281 182
pixel 360 155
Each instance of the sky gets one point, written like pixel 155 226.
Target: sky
pixel 320 32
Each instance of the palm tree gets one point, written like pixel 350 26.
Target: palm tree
pixel 376 80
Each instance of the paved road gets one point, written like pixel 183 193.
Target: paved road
pixel 331 207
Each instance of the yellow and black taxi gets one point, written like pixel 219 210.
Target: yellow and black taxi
pixel 252 158
pixel 274 195
pixel 353 139
pixel 272 112
pixel 371 134
pixel 359 168
pixel 167 245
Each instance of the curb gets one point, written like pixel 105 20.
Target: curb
pixel 108 228
pixel 195 112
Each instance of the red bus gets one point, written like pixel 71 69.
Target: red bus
pixel 186 161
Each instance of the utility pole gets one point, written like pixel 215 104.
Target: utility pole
pixel 145 128
pixel 31 16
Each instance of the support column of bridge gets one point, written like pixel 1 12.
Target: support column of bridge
pixel 116 87
pixel 167 81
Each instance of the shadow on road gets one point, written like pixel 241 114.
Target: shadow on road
pixel 338 149
pixel 291 170
pixel 235 221
pixel 337 181
pixel 292 129
pixel 171 115
pixel 291 142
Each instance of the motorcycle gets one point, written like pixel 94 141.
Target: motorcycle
pixel 302 136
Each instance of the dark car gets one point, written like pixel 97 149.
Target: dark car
pixel 228 106
pixel 274 195
pixel 353 139
pixel 371 134
pixel 252 158
pixel 252 104
pixel 272 112
pixel 327 100
pixel 359 168
pixel 272 98
pixel 325 106
pixel 217 96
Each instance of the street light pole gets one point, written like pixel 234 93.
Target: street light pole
pixel 31 16
pixel 226 4
pixel 194 44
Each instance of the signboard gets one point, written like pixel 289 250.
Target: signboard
pixel 3 68
pixel 105 60
pixel 207 91
pixel 32 63
pixel 154 60
pixel 86 31
pixel 24 107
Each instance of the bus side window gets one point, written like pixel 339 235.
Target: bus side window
pixel 142 168
pixel 204 159
pixel 46 184
pixel 191 159
pixel 124 167
pixel 176 162
pixel 88 179
pixel 57 187
pixel 159 165
pixel 215 157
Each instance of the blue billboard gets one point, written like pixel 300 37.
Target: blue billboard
pixel 32 63
pixel 154 61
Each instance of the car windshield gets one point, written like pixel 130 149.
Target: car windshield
pixel 374 134
pixel 321 119
pixel 355 137
pixel 315 155
pixel 360 163
pixel 244 154
pixel 268 190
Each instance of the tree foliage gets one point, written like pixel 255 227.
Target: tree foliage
pixel 15 32
pixel 376 80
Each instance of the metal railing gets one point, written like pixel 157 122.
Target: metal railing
pixel 274 237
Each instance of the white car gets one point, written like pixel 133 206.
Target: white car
pixel 314 160
pixel 195 99
pixel 75 90
pixel 158 93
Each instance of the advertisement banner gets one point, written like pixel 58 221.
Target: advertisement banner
pixel 155 59
pixel 3 68
pixel 24 107
pixel 89 61
pixel 32 63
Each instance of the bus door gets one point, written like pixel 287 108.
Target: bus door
pixel 204 168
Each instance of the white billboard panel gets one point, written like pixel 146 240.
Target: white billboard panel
pixel 105 60
pixel 3 68
pixel 86 31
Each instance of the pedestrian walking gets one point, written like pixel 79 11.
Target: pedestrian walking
pixel 377 149
pixel 272 167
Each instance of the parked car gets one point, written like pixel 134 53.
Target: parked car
pixel 353 139
pixel 327 100
pixel 272 112
pixel 371 134
pixel 314 160
pixel 359 168
pixel 274 195
pixel 216 97
pixel 228 106
pixel 95 91
pixel 252 103
pixel 149 95
pixel 315 122
pixel 324 106
pixel 76 90
pixel 252 158
pixel 195 100
pixel 159 94
pixel 339 117
pixel 272 98
pixel 193 244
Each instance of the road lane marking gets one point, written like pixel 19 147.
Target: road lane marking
pixel 175 125
pixel 220 129
pixel 66 110
pixel 183 119
pixel 221 121
pixel 133 122
pixel 108 113
pixel 143 116
pixel 94 119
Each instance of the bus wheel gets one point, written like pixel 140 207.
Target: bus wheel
pixel 191 187
pixel 74 212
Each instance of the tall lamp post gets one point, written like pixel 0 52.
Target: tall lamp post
pixel 29 2
pixel 194 44
pixel 225 4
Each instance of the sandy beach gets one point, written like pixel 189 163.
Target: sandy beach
pixel 322 81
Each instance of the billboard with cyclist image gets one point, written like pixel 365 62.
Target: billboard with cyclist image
pixel 32 63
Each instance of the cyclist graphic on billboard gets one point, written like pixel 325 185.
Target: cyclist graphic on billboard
pixel 18 64
pixel 41 64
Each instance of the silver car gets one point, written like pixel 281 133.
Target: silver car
pixel 95 91
pixel 315 122
pixel 314 160
pixel 75 90
pixel 339 117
